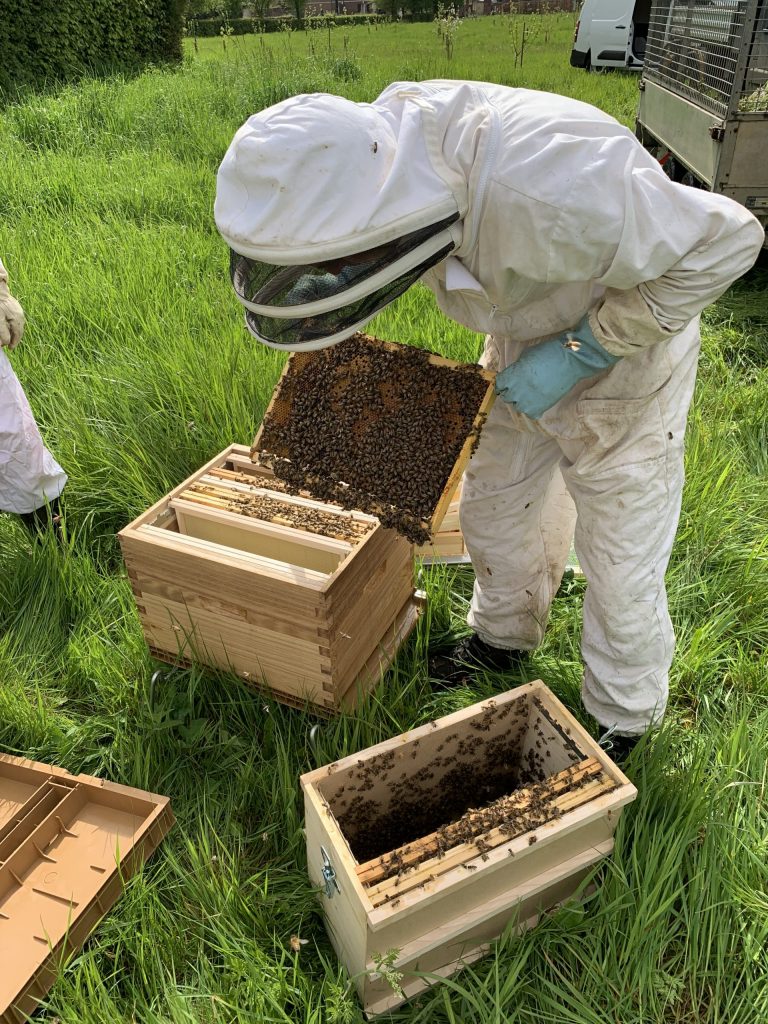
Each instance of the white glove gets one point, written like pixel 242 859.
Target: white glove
pixel 11 315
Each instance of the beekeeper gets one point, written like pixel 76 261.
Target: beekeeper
pixel 30 478
pixel 542 223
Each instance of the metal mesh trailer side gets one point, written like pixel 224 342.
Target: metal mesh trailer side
pixel 704 95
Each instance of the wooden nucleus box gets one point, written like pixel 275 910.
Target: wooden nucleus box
pixel 68 844
pixel 227 570
pixel 432 843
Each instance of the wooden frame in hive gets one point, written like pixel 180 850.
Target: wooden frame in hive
pixel 270 446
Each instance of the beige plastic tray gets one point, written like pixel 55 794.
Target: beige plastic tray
pixel 67 845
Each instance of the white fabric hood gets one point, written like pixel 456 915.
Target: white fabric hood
pixel 318 176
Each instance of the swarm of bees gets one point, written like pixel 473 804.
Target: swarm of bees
pixel 456 786
pixel 373 428
pixel 299 517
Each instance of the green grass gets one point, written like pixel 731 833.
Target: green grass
pixel 139 369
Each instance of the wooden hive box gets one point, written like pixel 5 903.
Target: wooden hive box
pixel 377 426
pixel 393 874
pixel 447 546
pixel 304 599
pixel 68 844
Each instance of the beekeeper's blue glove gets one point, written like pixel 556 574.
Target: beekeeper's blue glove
pixel 546 372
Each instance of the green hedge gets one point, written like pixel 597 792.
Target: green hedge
pixel 205 27
pixel 48 41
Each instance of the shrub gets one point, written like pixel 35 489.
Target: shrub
pixel 205 27
pixel 47 42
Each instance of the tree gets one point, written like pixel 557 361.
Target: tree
pixel 213 8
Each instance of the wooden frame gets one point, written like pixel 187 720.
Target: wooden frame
pixel 440 912
pixel 300 615
pixel 376 506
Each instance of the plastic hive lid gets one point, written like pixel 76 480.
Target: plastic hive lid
pixel 417 437
pixel 67 845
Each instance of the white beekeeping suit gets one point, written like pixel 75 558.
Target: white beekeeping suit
pixel 542 223
pixel 29 475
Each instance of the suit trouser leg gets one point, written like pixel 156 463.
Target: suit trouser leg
pixel 517 519
pixel 29 474
pixel 626 479
pixel 617 446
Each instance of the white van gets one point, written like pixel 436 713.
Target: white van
pixel 611 34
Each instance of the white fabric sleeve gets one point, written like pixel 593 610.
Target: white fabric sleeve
pixel 662 250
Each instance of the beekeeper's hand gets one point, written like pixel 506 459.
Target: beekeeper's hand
pixel 546 372
pixel 11 315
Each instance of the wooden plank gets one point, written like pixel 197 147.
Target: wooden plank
pixel 384 653
pixel 355 637
pixel 219 578
pixel 464 456
pixel 378 552
pixel 445 950
pixel 445 545
pixel 243 462
pixel 269 569
pixel 291 621
pixel 269 540
pixel 292 666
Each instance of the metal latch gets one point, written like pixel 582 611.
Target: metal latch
pixel 717 132
pixel 329 875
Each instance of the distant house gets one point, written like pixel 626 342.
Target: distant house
pixel 319 7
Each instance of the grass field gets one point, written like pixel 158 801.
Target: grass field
pixel 139 368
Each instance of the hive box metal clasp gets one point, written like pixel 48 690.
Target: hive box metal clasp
pixel 329 875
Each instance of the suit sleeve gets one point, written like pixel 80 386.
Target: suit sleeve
pixel 663 251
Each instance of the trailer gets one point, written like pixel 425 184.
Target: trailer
pixel 703 107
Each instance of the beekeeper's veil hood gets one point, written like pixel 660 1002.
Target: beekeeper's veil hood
pixel 331 210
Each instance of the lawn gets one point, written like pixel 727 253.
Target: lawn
pixel 139 368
